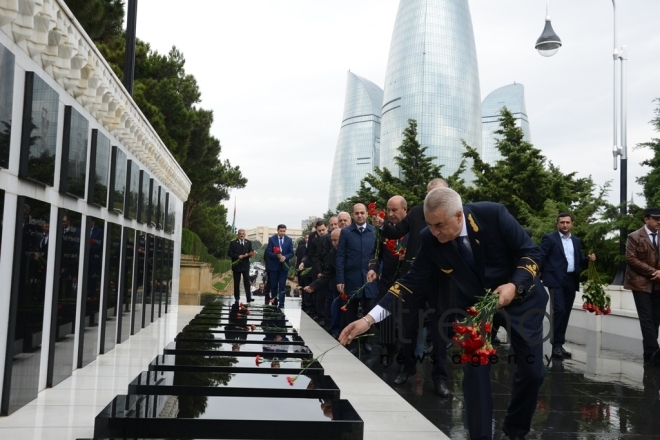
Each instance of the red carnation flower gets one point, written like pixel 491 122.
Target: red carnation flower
pixel 472 311
pixel 277 250
pixel 343 297
pixel 342 308
pixel 381 214
pixel 257 359
pixel 290 380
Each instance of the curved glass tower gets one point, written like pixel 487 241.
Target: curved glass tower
pixel 433 77
pixel 513 98
pixel 359 137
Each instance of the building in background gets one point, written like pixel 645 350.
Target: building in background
pixel 304 224
pixel 263 233
pixel 432 77
pixel 512 97
pixel 357 151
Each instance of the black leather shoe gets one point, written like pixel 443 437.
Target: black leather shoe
pixel 403 378
pixel 368 347
pixel 566 354
pixel 557 353
pixel 441 389
pixel 250 300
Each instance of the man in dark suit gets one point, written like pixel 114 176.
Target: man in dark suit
pixel 240 251
pixel 561 254
pixel 313 261
pixel 480 246
pixel 277 263
pixel 411 226
pixel 387 267
pixel 354 251
pixel 329 275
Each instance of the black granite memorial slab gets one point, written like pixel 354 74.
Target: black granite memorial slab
pixel 237 349
pixel 188 383
pixel 230 336
pixel 241 318
pixel 213 417
pixel 230 364
pixel 228 314
pixel 258 329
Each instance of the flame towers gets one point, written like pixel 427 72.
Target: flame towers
pixel 357 147
pixel 432 77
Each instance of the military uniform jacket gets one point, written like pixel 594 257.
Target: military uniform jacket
pixel 502 251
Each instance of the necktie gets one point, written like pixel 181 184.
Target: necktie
pixel 655 243
pixel 241 242
pixel 280 243
pixel 466 254
pixel 361 228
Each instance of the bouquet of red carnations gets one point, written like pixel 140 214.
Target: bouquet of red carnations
pixel 473 333
pixel 596 300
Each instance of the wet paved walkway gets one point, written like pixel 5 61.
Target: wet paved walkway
pixel 595 395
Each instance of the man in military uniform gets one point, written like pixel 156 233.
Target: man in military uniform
pixel 480 246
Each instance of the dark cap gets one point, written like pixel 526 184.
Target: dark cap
pixel 652 212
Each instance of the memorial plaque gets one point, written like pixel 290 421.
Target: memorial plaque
pixel 213 417
pixel 39 133
pixel 187 383
pixel 118 174
pixel 73 169
pixel 7 63
pixel 218 328
pixel 99 169
pixel 92 293
pixel 232 364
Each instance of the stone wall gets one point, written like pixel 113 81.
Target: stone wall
pixel 195 278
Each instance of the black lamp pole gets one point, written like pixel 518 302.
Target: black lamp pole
pixel 129 61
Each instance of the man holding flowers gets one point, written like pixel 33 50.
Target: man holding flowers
pixel 481 247
pixel 278 253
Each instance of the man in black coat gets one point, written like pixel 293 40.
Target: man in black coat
pixel 411 226
pixel 240 251
pixel 481 247
pixel 328 277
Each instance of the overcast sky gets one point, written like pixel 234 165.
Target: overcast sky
pixel 274 74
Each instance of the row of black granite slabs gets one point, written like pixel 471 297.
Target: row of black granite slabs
pixel 234 372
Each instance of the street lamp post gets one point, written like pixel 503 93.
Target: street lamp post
pixel 548 44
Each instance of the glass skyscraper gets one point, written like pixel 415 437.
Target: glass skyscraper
pixel 432 77
pixel 357 151
pixel 512 97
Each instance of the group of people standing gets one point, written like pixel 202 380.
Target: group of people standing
pixel 420 264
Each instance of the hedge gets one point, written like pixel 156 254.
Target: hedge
pixel 191 244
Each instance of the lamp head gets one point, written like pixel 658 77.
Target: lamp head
pixel 549 42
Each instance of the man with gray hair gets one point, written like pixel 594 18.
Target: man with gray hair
pixel 411 225
pixel 485 251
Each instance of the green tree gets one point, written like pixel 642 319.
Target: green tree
pixel 535 191
pixel 416 170
pixel 651 181
pixel 101 19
